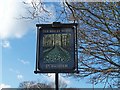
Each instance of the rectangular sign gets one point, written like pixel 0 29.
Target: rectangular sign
pixel 56 49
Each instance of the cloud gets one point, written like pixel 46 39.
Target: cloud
pixel 18 74
pixel 20 77
pixel 24 61
pixel 62 80
pixel 10 26
pixel 17 28
pixel 14 71
pixel 4 86
pixel 6 44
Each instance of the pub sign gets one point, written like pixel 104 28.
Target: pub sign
pixel 55 47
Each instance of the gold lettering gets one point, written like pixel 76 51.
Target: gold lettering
pixel 56 66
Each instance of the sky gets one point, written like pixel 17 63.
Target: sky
pixel 18 48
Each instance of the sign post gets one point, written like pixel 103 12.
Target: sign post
pixel 56 81
pixel 56 48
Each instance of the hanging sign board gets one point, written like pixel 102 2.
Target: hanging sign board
pixel 55 48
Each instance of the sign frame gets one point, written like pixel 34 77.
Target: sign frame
pixel 41 31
